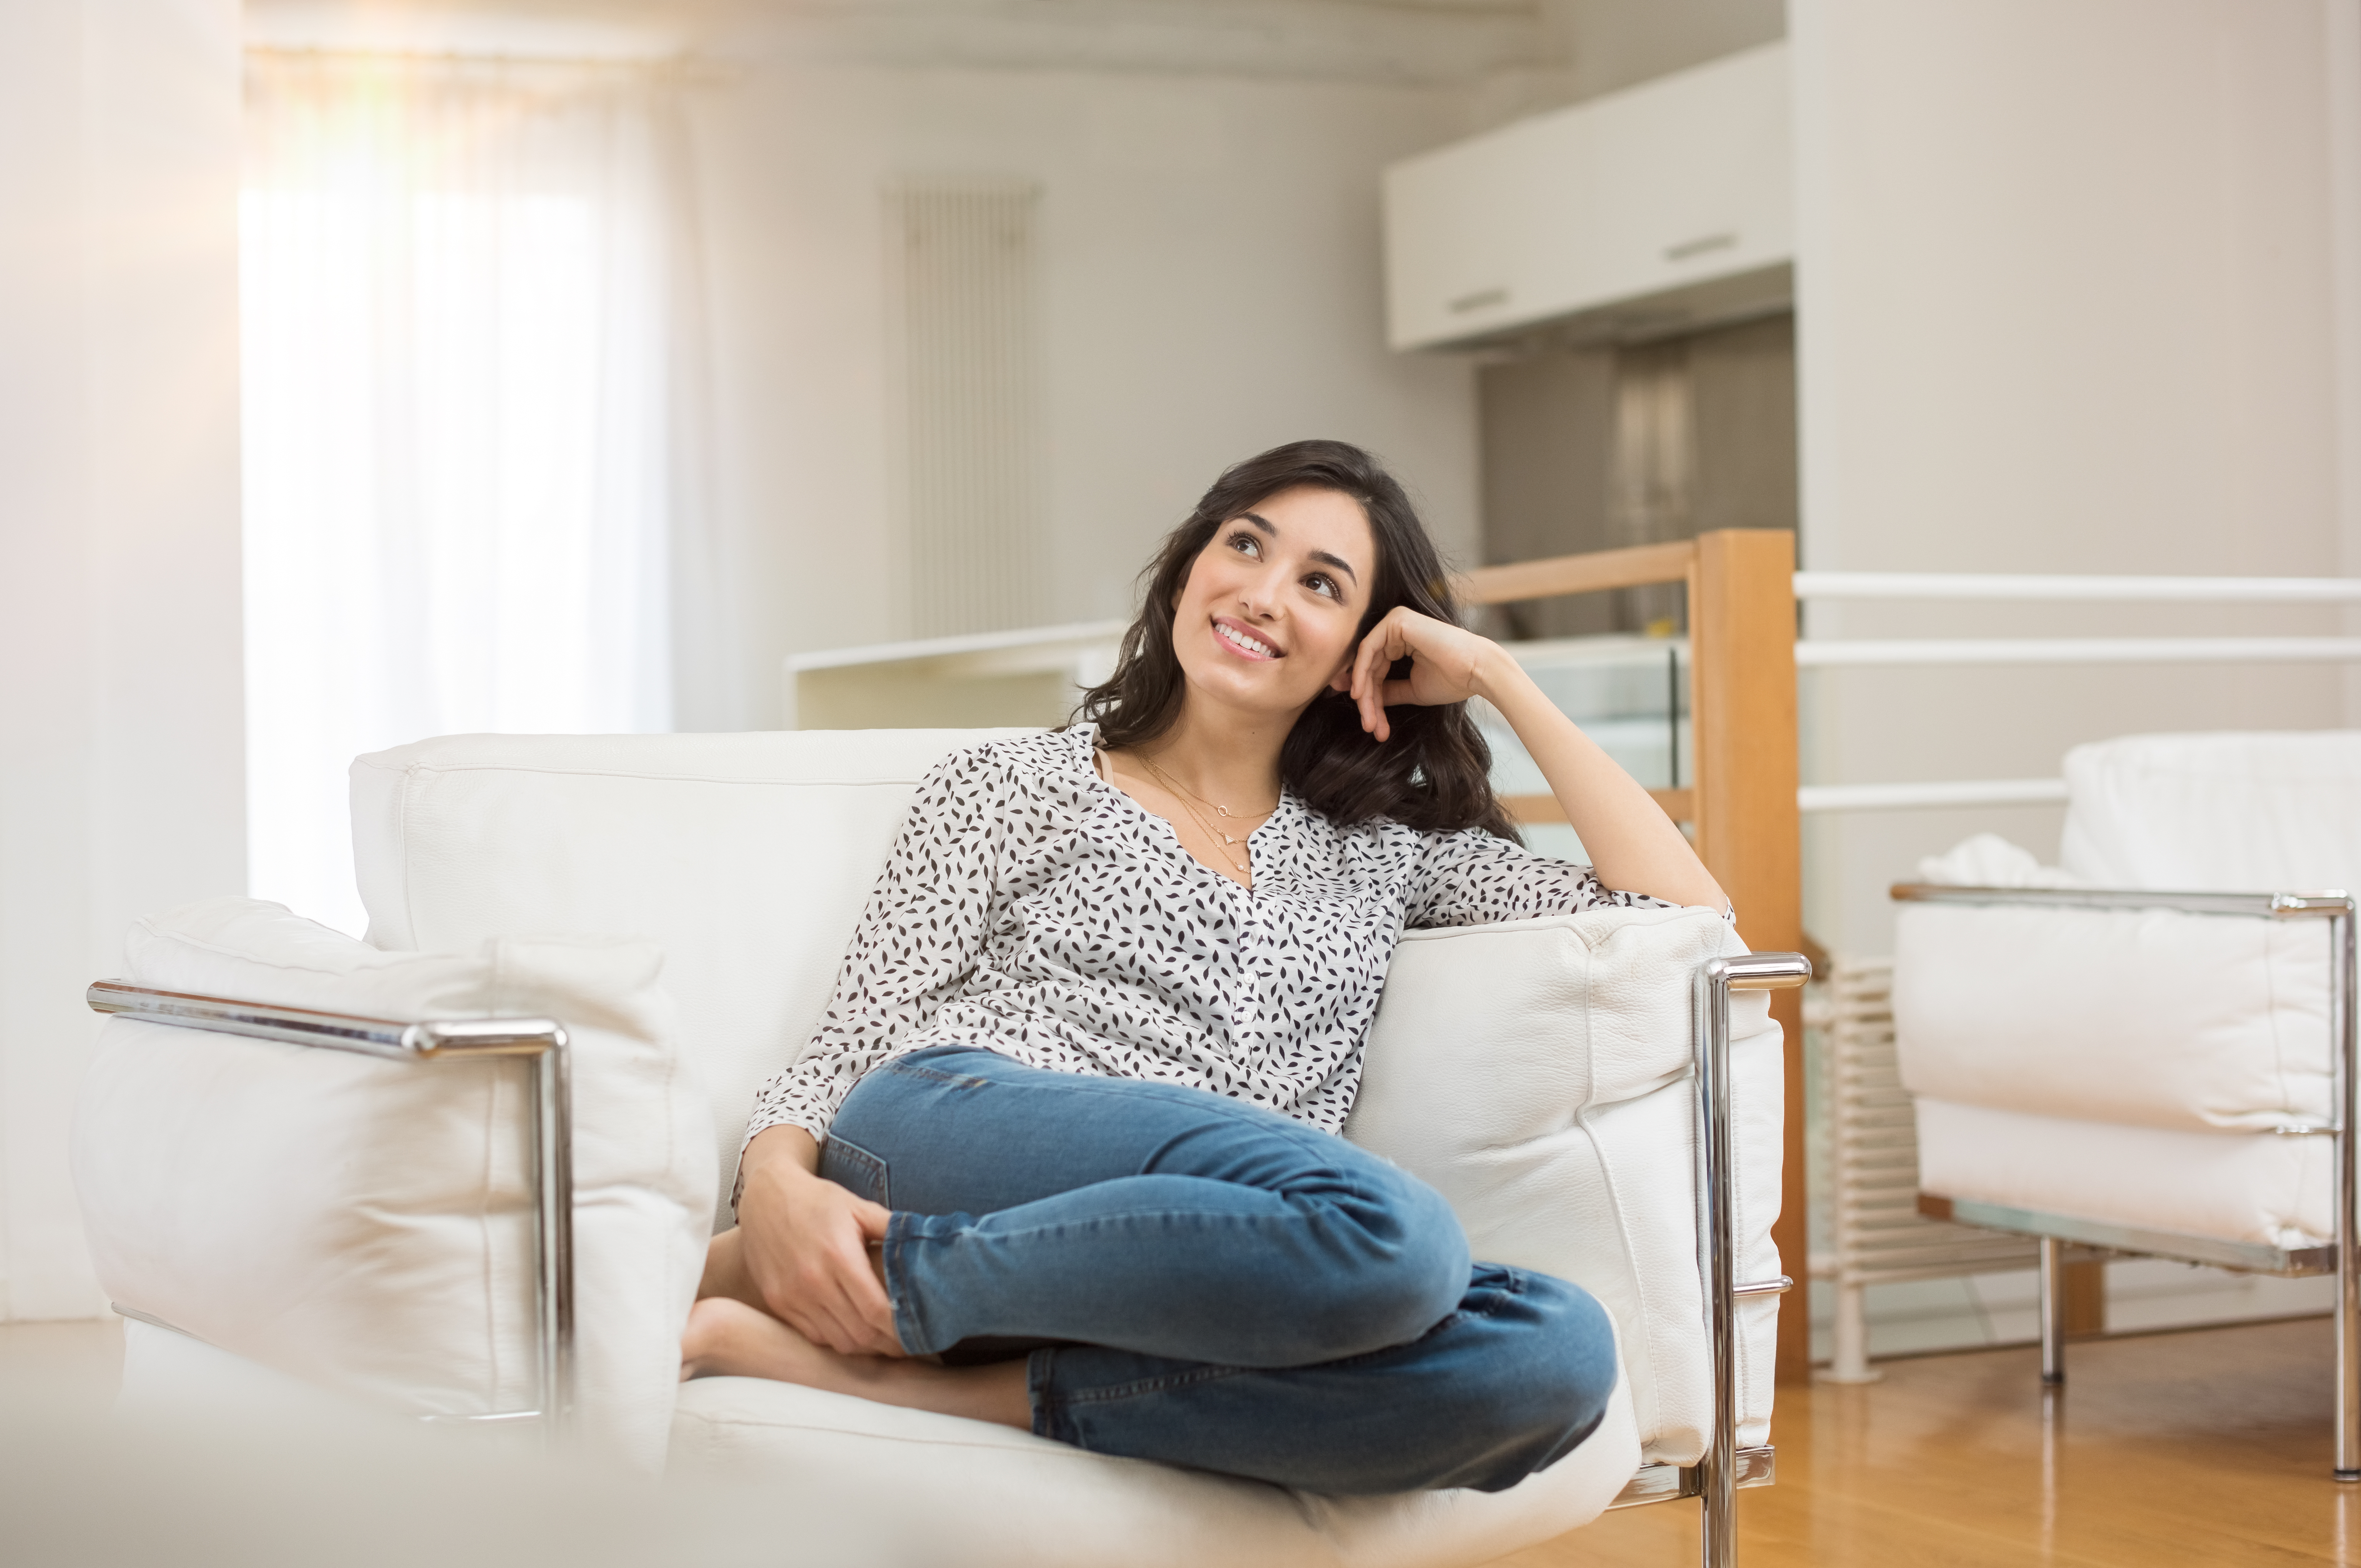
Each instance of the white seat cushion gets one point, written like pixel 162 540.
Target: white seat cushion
pixel 937 1489
pixel 1535 1072
pixel 365 1225
pixel 2234 1187
pixel 744 858
pixel 2252 813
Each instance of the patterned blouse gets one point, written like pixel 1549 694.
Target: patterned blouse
pixel 1032 908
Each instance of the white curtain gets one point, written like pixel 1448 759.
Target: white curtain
pixel 462 284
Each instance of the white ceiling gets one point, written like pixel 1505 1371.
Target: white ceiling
pixel 1422 40
pixel 1593 45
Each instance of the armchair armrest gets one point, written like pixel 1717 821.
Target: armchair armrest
pixel 455 1186
pixel 2202 1011
pixel 2277 906
pixel 549 1156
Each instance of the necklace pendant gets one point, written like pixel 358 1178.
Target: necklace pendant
pixel 1227 839
pixel 1223 809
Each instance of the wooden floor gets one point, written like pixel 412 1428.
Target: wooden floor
pixel 2203 1447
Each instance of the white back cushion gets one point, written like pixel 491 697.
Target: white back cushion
pixel 365 1224
pixel 744 858
pixel 2254 813
pixel 1535 1072
pixel 2146 1018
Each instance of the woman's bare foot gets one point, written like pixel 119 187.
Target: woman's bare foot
pixel 727 1338
pixel 725 1269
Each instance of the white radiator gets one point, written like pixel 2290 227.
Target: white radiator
pixel 961 296
pixel 1879 1236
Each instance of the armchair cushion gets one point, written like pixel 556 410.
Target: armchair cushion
pixel 365 1225
pixel 2271 1191
pixel 1536 1073
pixel 2139 1017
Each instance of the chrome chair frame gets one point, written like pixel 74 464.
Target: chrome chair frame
pixel 1714 1478
pixel 2056 1233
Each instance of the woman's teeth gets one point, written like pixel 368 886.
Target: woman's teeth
pixel 1241 640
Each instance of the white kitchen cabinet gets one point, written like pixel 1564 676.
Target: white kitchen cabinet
pixel 1676 192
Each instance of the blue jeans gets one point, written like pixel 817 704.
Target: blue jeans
pixel 1201 1282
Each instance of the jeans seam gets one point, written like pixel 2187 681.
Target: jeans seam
pixel 904 1068
pixel 1081 1227
pixel 1163 1384
pixel 908 1328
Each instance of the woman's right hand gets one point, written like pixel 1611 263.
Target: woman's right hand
pixel 804 1247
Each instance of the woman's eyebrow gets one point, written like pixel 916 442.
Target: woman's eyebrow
pixel 1320 556
pixel 1338 562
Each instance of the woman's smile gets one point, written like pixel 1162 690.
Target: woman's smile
pixel 1235 636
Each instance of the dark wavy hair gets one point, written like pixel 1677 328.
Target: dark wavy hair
pixel 1433 774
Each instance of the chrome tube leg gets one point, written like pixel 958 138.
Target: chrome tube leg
pixel 1717 1468
pixel 2348 1232
pixel 1717 1477
pixel 2053 1311
pixel 553 1138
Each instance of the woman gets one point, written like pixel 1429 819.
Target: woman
pixel 1061 1154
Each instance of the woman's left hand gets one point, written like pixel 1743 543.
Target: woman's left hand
pixel 1447 664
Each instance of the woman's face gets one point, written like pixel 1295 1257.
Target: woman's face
pixel 1270 612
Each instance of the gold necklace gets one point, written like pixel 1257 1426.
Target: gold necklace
pixel 1179 788
pixel 1212 834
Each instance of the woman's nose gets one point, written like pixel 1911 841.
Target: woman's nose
pixel 1258 598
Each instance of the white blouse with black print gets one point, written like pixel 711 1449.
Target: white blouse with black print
pixel 1034 909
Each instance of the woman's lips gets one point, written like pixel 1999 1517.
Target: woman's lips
pixel 1241 642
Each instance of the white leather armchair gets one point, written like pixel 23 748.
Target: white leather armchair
pixel 488 1199
pixel 2150 1049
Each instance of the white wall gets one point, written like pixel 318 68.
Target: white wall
pixel 121 776
pixel 2067 302
pixel 1212 289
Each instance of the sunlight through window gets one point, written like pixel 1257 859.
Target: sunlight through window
pixel 455 388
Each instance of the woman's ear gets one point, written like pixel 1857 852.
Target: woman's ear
pixel 1342 680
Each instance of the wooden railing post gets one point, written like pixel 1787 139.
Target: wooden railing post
pixel 1743 652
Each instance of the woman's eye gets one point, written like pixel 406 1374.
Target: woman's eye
pixel 1246 543
pixel 1319 584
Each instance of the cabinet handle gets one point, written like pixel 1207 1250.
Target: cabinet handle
pixel 1699 246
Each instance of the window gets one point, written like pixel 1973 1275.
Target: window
pixel 459 466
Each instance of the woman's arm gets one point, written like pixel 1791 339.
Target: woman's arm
pixel 1634 846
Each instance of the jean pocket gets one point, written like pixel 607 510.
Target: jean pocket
pixel 856 1170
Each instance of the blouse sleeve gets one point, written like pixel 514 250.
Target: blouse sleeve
pixel 1474 878
pixel 920 936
